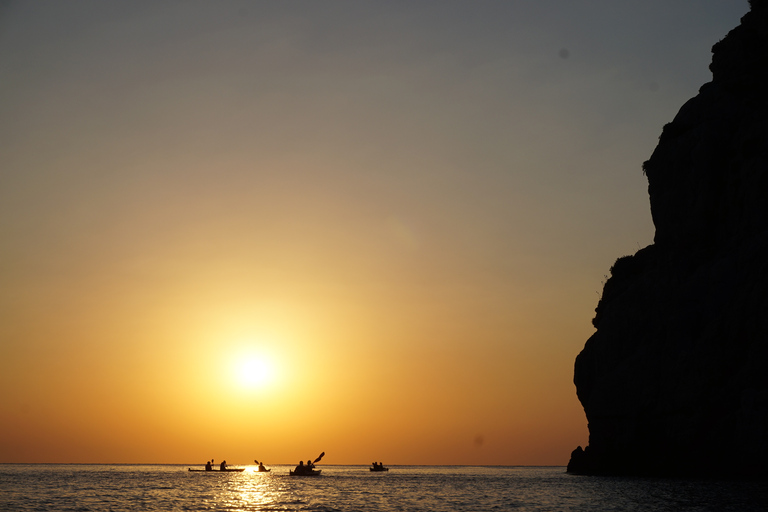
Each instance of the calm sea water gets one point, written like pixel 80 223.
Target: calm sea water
pixel 72 487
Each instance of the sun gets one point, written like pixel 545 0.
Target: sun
pixel 254 372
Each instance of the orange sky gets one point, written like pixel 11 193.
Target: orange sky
pixel 403 212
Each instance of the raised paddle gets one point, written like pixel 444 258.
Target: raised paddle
pixel 318 459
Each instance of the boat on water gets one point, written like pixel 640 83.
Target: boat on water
pixel 261 468
pixel 378 466
pixel 313 472
pixel 226 470
pixel 306 470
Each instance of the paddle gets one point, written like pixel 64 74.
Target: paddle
pixel 318 459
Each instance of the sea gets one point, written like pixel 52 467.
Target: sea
pixel 116 487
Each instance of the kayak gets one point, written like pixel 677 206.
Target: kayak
pixel 314 472
pixel 260 467
pixel 379 469
pixel 237 470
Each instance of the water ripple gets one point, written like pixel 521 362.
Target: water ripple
pixel 81 488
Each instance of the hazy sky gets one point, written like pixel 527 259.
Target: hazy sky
pixel 400 213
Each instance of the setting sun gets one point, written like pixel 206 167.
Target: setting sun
pixel 254 372
pixel 252 364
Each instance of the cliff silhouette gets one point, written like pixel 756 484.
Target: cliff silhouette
pixel 674 382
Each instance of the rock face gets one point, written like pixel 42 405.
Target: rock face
pixel 675 379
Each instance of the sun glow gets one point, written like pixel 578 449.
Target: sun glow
pixel 255 372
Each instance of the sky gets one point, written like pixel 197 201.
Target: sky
pixel 261 230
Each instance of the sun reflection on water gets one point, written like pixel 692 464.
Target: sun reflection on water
pixel 249 490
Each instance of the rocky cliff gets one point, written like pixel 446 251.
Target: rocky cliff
pixel 675 379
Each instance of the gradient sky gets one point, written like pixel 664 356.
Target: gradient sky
pixel 400 213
